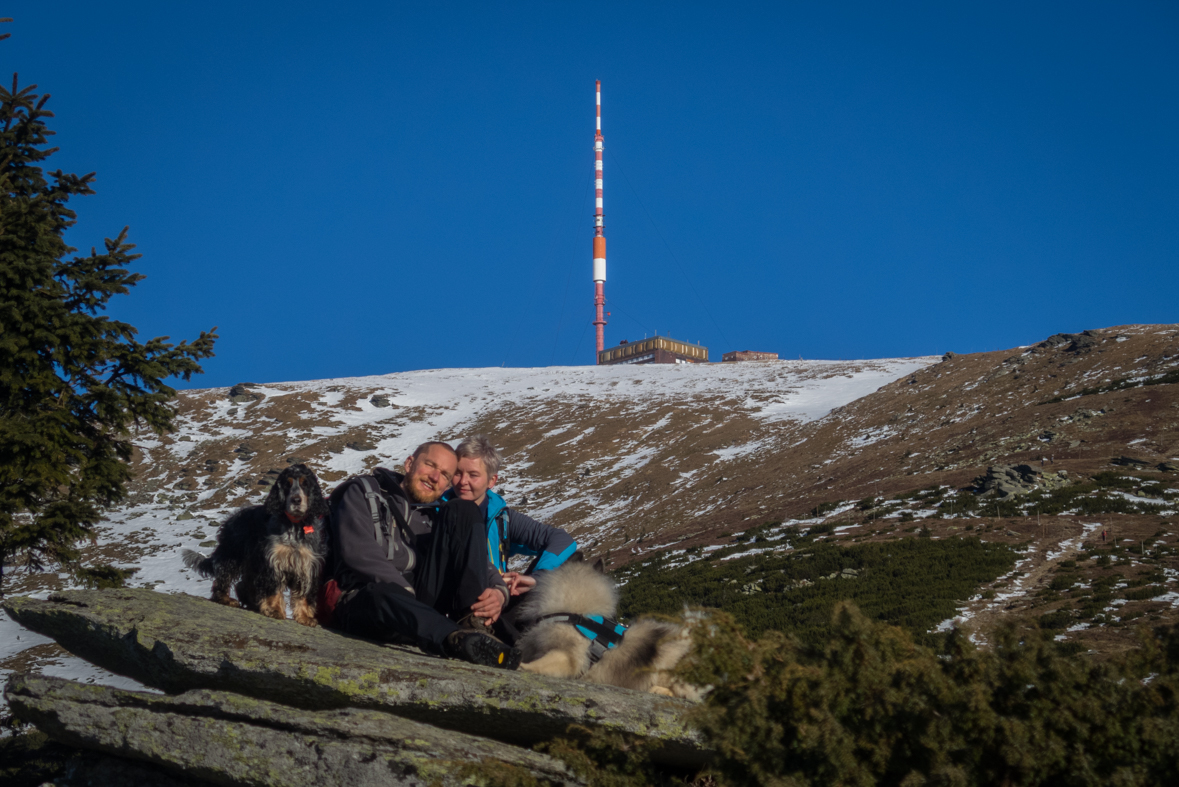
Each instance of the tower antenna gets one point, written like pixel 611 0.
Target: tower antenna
pixel 599 232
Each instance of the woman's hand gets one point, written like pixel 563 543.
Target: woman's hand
pixel 519 584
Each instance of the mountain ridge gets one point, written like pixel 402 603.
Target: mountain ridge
pixel 686 462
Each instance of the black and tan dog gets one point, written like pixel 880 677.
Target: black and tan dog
pixel 265 549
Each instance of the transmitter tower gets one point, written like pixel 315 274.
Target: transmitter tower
pixel 599 232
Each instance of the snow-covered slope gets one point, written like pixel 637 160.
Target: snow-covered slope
pixel 634 460
pixel 574 437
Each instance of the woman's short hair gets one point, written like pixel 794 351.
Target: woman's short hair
pixel 479 447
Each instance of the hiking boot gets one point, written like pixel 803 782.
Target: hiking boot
pixel 472 622
pixel 481 649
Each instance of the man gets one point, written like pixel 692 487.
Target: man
pixel 509 532
pixel 408 567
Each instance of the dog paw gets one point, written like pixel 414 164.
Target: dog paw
pixel 307 621
pixel 661 691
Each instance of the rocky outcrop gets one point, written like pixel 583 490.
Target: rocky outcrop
pixel 241 394
pixel 179 643
pixel 224 738
pixel 1007 480
pixel 1071 342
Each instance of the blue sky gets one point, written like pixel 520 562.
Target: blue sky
pixel 363 188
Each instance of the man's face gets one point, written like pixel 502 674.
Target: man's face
pixel 471 482
pixel 428 476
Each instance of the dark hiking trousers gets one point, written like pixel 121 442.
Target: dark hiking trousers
pixel 451 574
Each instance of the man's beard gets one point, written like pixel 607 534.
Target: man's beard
pixel 419 495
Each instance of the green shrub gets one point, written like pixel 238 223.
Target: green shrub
pixel 1054 621
pixel 1144 593
pixel 915 583
pixel 1062 581
pixel 869 706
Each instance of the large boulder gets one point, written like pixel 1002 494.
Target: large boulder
pixel 225 738
pixel 179 642
pixel 1007 480
pixel 241 394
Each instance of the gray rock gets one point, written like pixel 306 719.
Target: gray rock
pixel 361 445
pixel 184 516
pixel 179 642
pixel 1056 340
pixel 1072 342
pixel 74 767
pixel 381 401
pixel 1007 480
pixel 240 394
pixel 231 739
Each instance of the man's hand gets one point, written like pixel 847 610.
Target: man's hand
pixel 491 602
pixel 518 583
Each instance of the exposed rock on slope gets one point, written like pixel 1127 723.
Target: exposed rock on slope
pixel 230 739
pixel 178 643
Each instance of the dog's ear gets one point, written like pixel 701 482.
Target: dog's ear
pixel 600 566
pixel 276 500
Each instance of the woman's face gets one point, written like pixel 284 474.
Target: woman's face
pixel 471 481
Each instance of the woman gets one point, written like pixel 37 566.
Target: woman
pixel 509 533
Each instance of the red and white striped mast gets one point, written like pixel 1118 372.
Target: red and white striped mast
pixel 599 232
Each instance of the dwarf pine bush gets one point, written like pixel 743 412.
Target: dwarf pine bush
pixel 870 706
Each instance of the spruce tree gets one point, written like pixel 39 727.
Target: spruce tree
pixel 74 384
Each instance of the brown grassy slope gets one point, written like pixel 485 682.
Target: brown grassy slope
pixel 643 469
pixel 943 425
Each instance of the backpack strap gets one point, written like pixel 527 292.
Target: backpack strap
pixel 377 504
pixel 501 524
pixel 382 512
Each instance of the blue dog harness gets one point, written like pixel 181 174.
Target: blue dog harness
pixel 603 633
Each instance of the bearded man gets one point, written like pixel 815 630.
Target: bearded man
pixel 406 568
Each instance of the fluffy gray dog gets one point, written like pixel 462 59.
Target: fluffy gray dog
pixel 572 608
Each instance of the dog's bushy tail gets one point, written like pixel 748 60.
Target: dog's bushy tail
pixel 198 563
